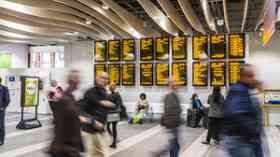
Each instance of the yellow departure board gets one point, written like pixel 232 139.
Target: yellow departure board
pixel 114 50
pixel 218 47
pixel 234 71
pixel 147 49
pixel 179 51
pixel 217 73
pixel 179 73
pixel 162 48
pixel 99 69
pixel 237 46
pixel 200 74
pixel 146 74
pixel 200 45
pixel 162 74
pixel 128 50
pixel 128 74
pixel 100 51
pixel 114 73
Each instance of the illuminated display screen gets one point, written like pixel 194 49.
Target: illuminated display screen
pixel 179 73
pixel 114 73
pixel 114 50
pixel 99 69
pixel 217 72
pixel 128 50
pixel 179 51
pixel 217 47
pixel 234 71
pixel 146 74
pixel 100 51
pixel 128 74
pixel 200 45
pixel 237 46
pixel 162 48
pixel 200 74
pixel 147 49
pixel 162 74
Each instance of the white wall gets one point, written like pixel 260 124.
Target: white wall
pixel 19 54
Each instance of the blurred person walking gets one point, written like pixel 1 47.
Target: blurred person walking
pixel 53 94
pixel 95 105
pixel 4 102
pixel 243 128
pixel 67 141
pixel 216 101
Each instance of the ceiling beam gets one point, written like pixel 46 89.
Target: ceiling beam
pixel 226 17
pixel 208 15
pixel 245 14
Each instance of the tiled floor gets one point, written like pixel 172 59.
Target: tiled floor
pixel 135 140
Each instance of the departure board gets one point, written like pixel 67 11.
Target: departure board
pixel 147 49
pixel 114 50
pixel 114 73
pixel 162 48
pixel 179 50
pixel 146 74
pixel 218 47
pixel 234 71
pixel 162 74
pixel 200 74
pixel 217 73
pixel 99 69
pixel 100 51
pixel 128 74
pixel 179 73
pixel 200 45
pixel 128 50
pixel 237 46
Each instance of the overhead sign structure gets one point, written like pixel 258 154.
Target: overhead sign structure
pixel 200 74
pixel 100 51
pixel 128 50
pixel 218 47
pixel 146 74
pixel 179 49
pixel 114 71
pixel 114 50
pixel 179 73
pixel 99 69
pixel 200 45
pixel 234 71
pixel 162 74
pixel 147 49
pixel 162 48
pixel 237 46
pixel 128 74
pixel 217 73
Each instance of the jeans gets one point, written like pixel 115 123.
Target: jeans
pixel 2 125
pixel 174 147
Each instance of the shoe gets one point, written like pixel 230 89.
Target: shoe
pixel 113 146
pixel 205 142
pixel 1 143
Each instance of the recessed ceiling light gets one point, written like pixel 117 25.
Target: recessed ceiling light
pixel 88 22
pixel 104 6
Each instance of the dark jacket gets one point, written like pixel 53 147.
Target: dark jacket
pixel 67 135
pixel 115 97
pixel 4 96
pixel 216 109
pixel 241 113
pixel 171 117
pixel 196 104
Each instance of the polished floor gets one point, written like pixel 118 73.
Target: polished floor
pixel 134 140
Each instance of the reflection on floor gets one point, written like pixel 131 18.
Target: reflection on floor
pixel 135 140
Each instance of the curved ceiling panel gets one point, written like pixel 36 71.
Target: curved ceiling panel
pixel 191 16
pixel 171 12
pixel 29 41
pixel 245 13
pixel 226 17
pixel 158 17
pixel 208 15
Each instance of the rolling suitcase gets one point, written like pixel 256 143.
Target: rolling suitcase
pixel 192 118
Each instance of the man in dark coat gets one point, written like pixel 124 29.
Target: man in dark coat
pixel 4 102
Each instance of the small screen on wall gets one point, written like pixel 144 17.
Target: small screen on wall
pixel 218 47
pixel 146 74
pixel 128 50
pixel 5 60
pixel 128 74
pixel 114 73
pixel 237 46
pixel 217 73
pixel 200 74
pixel 234 71
pixel 99 69
pixel 114 50
pixel 200 45
pixel 162 48
pixel 147 49
pixel 179 73
pixel 162 74
pixel 100 51
pixel 179 51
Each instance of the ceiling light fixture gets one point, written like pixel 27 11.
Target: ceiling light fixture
pixel 88 22
pixel 104 6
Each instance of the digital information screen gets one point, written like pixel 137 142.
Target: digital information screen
pixel 218 47
pixel 114 73
pixel 217 73
pixel 234 71
pixel 128 74
pixel 99 69
pixel 100 51
pixel 162 48
pixel 179 49
pixel 179 73
pixel 114 50
pixel 200 74
pixel 147 49
pixel 237 46
pixel 162 74
pixel 128 50
pixel 200 45
pixel 146 74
